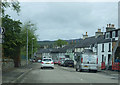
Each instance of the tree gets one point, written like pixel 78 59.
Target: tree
pixel 31 34
pixel 60 42
pixel 12 39
pixel 15 35
pixel 14 5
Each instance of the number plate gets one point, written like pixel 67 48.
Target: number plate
pixel 85 66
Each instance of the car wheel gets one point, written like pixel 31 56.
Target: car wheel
pixel 41 67
pixel 52 67
pixel 80 70
pixel 95 71
pixel 76 69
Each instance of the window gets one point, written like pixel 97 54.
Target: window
pixel 109 55
pixel 116 33
pixel 109 47
pixel 102 47
pixel 102 58
pixel 107 35
pixel 47 60
pixel 113 34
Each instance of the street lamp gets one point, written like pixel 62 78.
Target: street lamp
pixel 27 48
pixel 32 46
pixel 27 42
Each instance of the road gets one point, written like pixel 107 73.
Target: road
pixel 64 75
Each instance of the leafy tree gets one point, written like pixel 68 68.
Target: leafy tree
pixel 31 34
pixel 14 5
pixel 15 35
pixel 60 42
pixel 12 39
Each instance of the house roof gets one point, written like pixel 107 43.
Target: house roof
pixel 90 41
pixel 54 50
pixel 43 51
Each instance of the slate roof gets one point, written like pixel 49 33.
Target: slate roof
pixel 43 51
pixel 89 41
pixel 64 49
pixel 54 50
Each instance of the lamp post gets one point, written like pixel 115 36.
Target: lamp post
pixel 27 48
pixel 27 42
pixel 32 46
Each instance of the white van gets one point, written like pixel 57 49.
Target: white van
pixel 87 60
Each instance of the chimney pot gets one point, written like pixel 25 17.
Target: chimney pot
pixel 113 25
pixel 107 25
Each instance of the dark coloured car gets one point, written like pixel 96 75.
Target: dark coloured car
pixel 68 63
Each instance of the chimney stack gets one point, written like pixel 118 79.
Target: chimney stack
pixel 85 36
pixel 98 33
pixel 99 30
pixel 110 27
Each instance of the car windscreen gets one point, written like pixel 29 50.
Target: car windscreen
pixel 47 60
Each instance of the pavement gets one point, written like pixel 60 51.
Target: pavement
pixel 15 74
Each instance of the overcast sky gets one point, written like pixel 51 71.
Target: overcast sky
pixel 67 20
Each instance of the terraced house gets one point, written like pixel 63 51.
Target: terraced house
pixel 109 47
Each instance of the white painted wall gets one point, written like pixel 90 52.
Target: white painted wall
pixel 79 49
pixel 46 55
pixel 119 33
pixel 105 53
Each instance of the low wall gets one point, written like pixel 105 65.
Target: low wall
pixel 24 62
pixel 7 64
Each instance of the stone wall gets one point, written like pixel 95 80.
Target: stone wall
pixel 24 62
pixel 7 64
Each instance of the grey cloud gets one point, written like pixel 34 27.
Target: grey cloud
pixel 68 20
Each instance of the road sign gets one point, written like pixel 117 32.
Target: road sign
pixel 2 30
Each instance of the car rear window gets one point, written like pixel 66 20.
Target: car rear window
pixel 71 61
pixel 47 60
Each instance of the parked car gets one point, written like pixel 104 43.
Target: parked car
pixel 39 61
pixel 47 62
pixel 33 60
pixel 59 62
pixel 87 60
pixel 55 61
pixel 68 63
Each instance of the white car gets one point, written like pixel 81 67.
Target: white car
pixel 47 62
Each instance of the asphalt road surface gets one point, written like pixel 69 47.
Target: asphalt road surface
pixel 64 75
